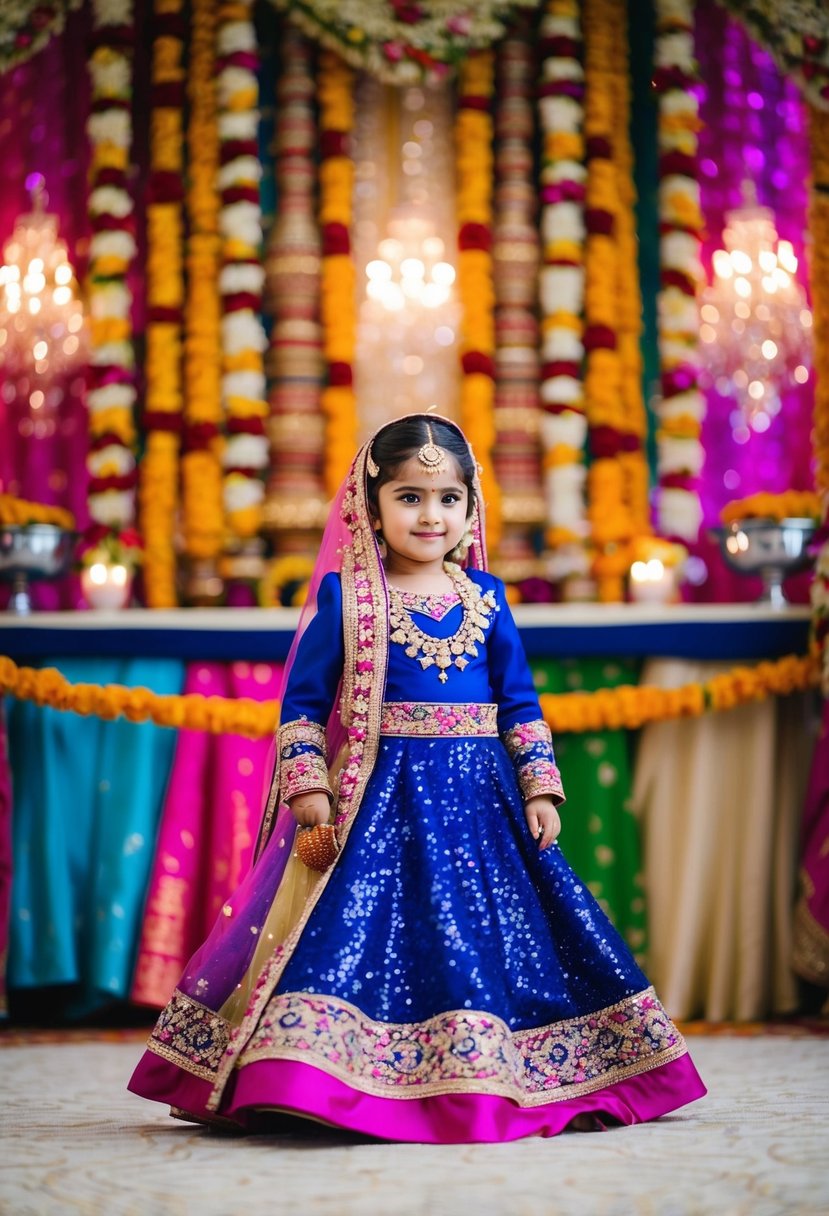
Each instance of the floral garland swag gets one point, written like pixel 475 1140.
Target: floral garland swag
pixel 561 283
pixel 158 474
pixel 241 279
pixel 624 707
pixel 111 391
pixel 201 468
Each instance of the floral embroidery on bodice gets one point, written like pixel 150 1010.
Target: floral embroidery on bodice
pixel 433 604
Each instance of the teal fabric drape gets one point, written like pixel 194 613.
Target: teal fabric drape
pixel 87 798
pixel 600 835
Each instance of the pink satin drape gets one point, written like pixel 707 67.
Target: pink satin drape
pixel 208 830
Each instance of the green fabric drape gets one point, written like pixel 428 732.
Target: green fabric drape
pixel 600 836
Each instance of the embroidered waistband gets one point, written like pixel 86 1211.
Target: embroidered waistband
pixel 428 718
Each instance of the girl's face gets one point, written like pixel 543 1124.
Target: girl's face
pixel 422 516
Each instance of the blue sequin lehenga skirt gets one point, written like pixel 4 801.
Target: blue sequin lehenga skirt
pixel 451 982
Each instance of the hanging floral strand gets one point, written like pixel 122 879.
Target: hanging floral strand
pixel 515 272
pixel 201 469
pixel 610 519
pixel 245 455
pixel 111 377
pixel 158 475
pixel 681 409
pixel 338 303
pixel 563 178
pixel 633 419
pixel 473 150
pixel 296 495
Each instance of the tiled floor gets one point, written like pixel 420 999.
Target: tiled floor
pixel 72 1140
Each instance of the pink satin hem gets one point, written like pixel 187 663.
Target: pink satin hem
pixel 446 1119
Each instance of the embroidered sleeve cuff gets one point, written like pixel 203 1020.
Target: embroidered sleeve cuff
pixel 530 746
pixel 302 761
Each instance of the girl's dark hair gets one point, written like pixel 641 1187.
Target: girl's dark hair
pixel 399 441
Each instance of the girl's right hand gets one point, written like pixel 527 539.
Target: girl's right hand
pixel 311 809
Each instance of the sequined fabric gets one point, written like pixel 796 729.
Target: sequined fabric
pixel 441 901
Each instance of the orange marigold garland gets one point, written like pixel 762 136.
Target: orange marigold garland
pixel 158 477
pixel 338 302
pixel 473 151
pixel 111 377
pixel 682 406
pixel 245 455
pixel 563 178
pixel 610 517
pixel 201 468
pixel 624 707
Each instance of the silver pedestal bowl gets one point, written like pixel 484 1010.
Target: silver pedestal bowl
pixel 771 548
pixel 29 552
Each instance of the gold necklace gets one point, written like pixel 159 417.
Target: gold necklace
pixel 444 653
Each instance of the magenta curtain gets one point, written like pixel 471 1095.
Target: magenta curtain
pixel 43 109
pixel 208 830
pixel 754 129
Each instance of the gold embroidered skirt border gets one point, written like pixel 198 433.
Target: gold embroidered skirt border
pixel 467 1051
pixel 426 719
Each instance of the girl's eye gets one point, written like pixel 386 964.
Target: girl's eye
pixel 409 498
pixel 451 499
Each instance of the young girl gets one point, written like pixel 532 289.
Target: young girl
pixel 448 978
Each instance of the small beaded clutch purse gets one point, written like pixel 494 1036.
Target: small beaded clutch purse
pixel 317 847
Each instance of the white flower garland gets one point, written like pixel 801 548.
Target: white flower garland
pixel 112 394
pixel 245 453
pixel 563 176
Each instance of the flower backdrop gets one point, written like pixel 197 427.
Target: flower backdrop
pixel 113 228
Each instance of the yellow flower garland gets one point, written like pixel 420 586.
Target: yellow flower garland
pixel 608 511
pixel 18 512
pixel 201 469
pixel 338 305
pixel 474 164
pixel 158 472
pixel 791 504
pixel 625 707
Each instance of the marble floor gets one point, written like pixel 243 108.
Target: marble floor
pixel 72 1140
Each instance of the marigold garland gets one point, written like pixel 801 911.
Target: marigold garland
pixel 563 178
pixel 473 152
pixel 625 707
pixel 611 521
pixel 338 305
pixel 111 375
pixel 791 504
pixel 158 474
pixel 18 512
pixel 682 406
pixel 201 467
pixel 245 454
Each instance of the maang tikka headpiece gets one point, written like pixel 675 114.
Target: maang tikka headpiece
pixel 432 457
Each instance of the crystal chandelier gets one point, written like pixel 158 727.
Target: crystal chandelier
pixel 755 321
pixel 41 317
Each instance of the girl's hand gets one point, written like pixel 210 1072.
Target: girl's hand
pixel 310 809
pixel 542 820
